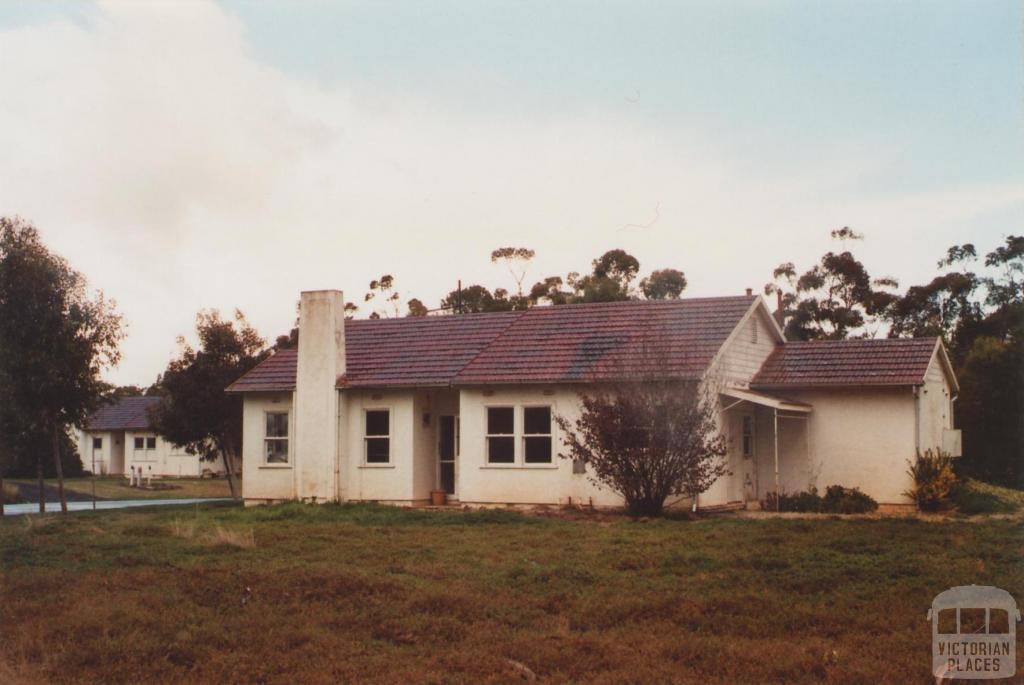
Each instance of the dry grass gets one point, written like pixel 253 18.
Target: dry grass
pixel 218 536
pixel 116 487
pixel 359 593
pixel 229 537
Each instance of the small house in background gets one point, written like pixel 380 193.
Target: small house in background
pixel 120 436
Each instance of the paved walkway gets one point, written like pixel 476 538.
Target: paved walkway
pixel 33 507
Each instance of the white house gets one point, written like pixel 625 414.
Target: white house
pixel 389 410
pixel 120 436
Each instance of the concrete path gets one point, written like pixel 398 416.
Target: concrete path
pixel 33 507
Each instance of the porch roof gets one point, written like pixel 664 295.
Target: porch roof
pixel 763 399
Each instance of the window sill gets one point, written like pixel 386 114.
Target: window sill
pixel 376 466
pixel 521 467
pixel 274 466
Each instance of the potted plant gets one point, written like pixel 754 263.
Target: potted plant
pixel 438 497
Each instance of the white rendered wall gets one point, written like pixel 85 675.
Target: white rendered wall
pixel 264 481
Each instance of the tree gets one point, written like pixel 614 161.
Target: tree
pixel 196 413
pixel 649 435
pixel 475 299
pixel 384 288
pixel 832 300
pixel 55 340
pixel 981 318
pixel 416 307
pixel 609 281
pixel 663 284
pixel 990 410
pixel 517 261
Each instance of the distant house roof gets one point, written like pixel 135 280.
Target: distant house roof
pixel 833 363
pixel 128 413
pixel 558 344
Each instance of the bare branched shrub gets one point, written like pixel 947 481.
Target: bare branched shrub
pixel 651 432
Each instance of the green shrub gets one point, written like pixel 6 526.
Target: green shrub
pixel 806 501
pixel 934 480
pixel 840 500
pixel 837 500
pixel 975 497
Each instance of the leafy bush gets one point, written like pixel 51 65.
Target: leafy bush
pixel 934 480
pixel 809 501
pixel 837 500
pixel 975 497
pixel 840 500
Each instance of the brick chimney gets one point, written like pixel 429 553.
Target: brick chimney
pixel 321 362
pixel 750 292
pixel 780 315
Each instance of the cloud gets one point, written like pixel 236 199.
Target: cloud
pixel 177 172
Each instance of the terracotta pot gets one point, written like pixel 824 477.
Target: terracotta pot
pixel 438 497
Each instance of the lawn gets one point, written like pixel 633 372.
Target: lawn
pixel 116 487
pixel 364 593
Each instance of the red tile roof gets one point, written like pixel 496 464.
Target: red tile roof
pixel 568 343
pixel 129 413
pixel 824 363
pixel 593 342
pixel 417 351
pixel 276 372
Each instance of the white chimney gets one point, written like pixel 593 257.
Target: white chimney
pixel 321 362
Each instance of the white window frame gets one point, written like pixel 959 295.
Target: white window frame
pixel 144 453
pixel 367 438
pixel 550 435
pixel 276 438
pixel 488 436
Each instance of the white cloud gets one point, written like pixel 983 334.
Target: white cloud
pixel 179 173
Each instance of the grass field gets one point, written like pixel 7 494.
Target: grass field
pixel 117 487
pixel 364 593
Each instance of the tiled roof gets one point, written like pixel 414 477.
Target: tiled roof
pixel 276 372
pixel 417 351
pixel 128 413
pixel 593 342
pixel 822 363
pixel 568 343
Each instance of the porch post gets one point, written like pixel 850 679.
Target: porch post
pixel 776 416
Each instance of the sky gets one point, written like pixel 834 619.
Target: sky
pixel 191 155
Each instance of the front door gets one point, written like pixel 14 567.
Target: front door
pixel 748 451
pixel 447 449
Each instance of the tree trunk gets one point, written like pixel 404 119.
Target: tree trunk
pixel 39 479
pixel 230 468
pixel 60 469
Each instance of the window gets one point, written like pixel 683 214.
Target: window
pixel 97 443
pixel 753 331
pixel 275 444
pixel 140 443
pixel 150 443
pixel 537 435
pixel 378 436
pixel 501 442
pixel 748 436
